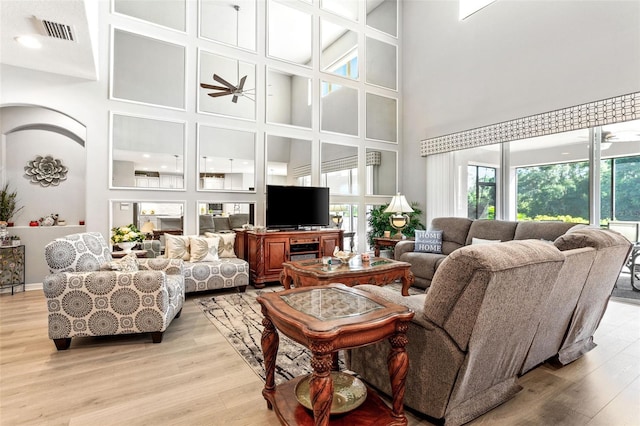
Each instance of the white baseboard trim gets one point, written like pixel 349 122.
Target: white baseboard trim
pixel 27 287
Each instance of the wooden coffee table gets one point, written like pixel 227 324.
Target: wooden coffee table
pixel 328 319
pixel 378 271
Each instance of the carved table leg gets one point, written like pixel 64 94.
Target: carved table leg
pixel 407 281
pixel 398 365
pixel 321 384
pixel 285 279
pixel 270 342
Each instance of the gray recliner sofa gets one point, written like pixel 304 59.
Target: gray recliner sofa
pixel 211 223
pixel 458 232
pixel 493 312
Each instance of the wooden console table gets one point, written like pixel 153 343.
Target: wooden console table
pixel 267 251
pixel 328 319
pixel 381 243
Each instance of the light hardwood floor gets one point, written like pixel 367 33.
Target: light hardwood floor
pixel 194 377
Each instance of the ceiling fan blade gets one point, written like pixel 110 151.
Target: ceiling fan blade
pixel 241 85
pixel 235 99
pixel 219 79
pixel 215 95
pixel 209 86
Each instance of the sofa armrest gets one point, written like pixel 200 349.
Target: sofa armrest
pixel 403 247
pixel 168 266
pixel 100 283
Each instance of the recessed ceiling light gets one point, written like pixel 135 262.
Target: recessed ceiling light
pixel 146 155
pixel 564 153
pixel 29 41
pixel 163 166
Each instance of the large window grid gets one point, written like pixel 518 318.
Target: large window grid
pixel 586 176
pixel 560 191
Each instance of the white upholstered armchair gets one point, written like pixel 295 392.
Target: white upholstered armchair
pixel 87 297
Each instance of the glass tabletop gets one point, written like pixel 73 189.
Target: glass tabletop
pixel 338 266
pixel 327 303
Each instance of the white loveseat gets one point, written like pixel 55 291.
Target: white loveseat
pixel 223 270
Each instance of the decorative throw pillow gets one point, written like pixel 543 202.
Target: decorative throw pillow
pixel 202 249
pixel 176 246
pixel 476 241
pixel 428 242
pixel 226 243
pixel 128 263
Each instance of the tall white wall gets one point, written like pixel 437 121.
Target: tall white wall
pixel 509 60
pixel 88 102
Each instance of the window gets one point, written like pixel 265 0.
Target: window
pixel 619 183
pixel 303 180
pixel 341 181
pixel 346 66
pixel 348 69
pixel 553 192
pixel 345 217
pixel 481 194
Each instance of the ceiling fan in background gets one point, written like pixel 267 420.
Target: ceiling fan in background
pixel 621 136
pixel 229 89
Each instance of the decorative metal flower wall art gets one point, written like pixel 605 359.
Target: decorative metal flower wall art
pixel 45 171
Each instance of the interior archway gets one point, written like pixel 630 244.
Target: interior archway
pixel 29 131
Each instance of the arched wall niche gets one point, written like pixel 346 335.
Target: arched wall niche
pixel 29 131
pixel 17 117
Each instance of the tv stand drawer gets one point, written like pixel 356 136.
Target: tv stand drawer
pixel 309 240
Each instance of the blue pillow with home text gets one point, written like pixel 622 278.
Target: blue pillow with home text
pixel 428 242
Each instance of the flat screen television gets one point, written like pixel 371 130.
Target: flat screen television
pixel 297 206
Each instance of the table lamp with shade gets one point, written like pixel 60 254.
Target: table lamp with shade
pixel 147 229
pixel 399 207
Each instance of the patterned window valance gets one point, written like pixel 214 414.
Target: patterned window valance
pixel 598 113
pixel 373 159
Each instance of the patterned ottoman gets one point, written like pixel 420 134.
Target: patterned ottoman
pixel 216 274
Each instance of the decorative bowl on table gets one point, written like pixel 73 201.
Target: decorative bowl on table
pixel 349 392
pixel 127 247
pixel 343 256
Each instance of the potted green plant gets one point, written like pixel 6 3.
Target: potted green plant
pixel 8 204
pixel 379 222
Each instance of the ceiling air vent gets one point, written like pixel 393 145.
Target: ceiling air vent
pixel 58 30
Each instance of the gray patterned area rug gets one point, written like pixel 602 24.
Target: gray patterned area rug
pixel 239 318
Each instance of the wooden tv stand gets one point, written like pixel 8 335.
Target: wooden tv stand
pixel 266 251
